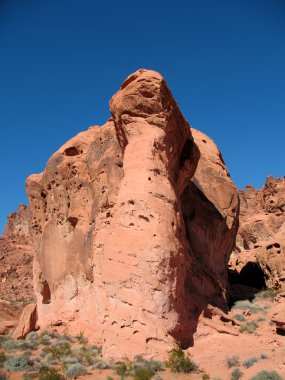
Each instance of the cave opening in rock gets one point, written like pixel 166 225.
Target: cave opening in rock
pixel 252 275
pixel 45 292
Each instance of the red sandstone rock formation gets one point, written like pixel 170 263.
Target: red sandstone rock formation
pixel 27 322
pixel 261 236
pixel 128 248
pixel 16 256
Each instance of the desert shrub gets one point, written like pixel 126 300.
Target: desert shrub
pixel 178 362
pixel 70 360
pixel 233 361
pixel 81 338
pixel 109 378
pixel 17 363
pixel 30 376
pixel 51 374
pixel 142 373
pixel 3 338
pixel 45 339
pixel 248 327
pixel 153 365
pixel 75 370
pixel 205 376
pixel 240 317
pixel 236 374
pixel 260 319
pixel 3 358
pixel 65 339
pixel 101 364
pixel 22 345
pixel 267 375
pixel 86 355
pixel 58 350
pixel 266 294
pixel 121 369
pixel 247 305
pixel 249 362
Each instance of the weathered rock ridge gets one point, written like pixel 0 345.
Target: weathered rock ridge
pixel 16 256
pixel 259 255
pixel 129 249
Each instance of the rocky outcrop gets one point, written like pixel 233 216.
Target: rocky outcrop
pixel 16 256
pixel 259 256
pixel 27 322
pixel 127 246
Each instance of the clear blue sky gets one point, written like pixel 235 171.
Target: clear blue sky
pixel 62 60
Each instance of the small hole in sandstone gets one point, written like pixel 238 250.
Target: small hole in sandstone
pixel 43 194
pixel 204 141
pixel 119 164
pixel 149 178
pixel 73 221
pixel 131 224
pixel 131 202
pixel 172 223
pixel 45 292
pixel 72 151
pixel 154 234
pixel 144 218
pixel 68 204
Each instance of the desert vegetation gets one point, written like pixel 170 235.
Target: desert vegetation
pixel 48 356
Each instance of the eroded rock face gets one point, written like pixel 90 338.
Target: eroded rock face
pixel 116 222
pixel 261 236
pixel 16 256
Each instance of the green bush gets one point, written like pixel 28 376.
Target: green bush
pixel 143 373
pixel 58 350
pixel 153 365
pixel 247 305
pixel 248 327
pixel 178 362
pixel 121 370
pixel 236 374
pixel 101 364
pixel 75 370
pixel 51 374
pixel 249 362
pixel 81 338
pixel 17 363
pixel 22 345
pixel 267 375
pixel 239 317
pixel 233 361
pixel 30 376
pixel 266 294
pixel 3 358
pixel 86 355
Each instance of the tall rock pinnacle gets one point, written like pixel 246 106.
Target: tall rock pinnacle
pixel 109 218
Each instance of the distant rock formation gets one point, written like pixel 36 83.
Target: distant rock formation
pixel 259 257
pixel 128 248
pixel 16 257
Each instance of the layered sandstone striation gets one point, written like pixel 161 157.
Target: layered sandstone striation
pixel 129 249
pixel 16 256
pixel 258 258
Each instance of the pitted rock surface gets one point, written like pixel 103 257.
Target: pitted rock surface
pixel 116 222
